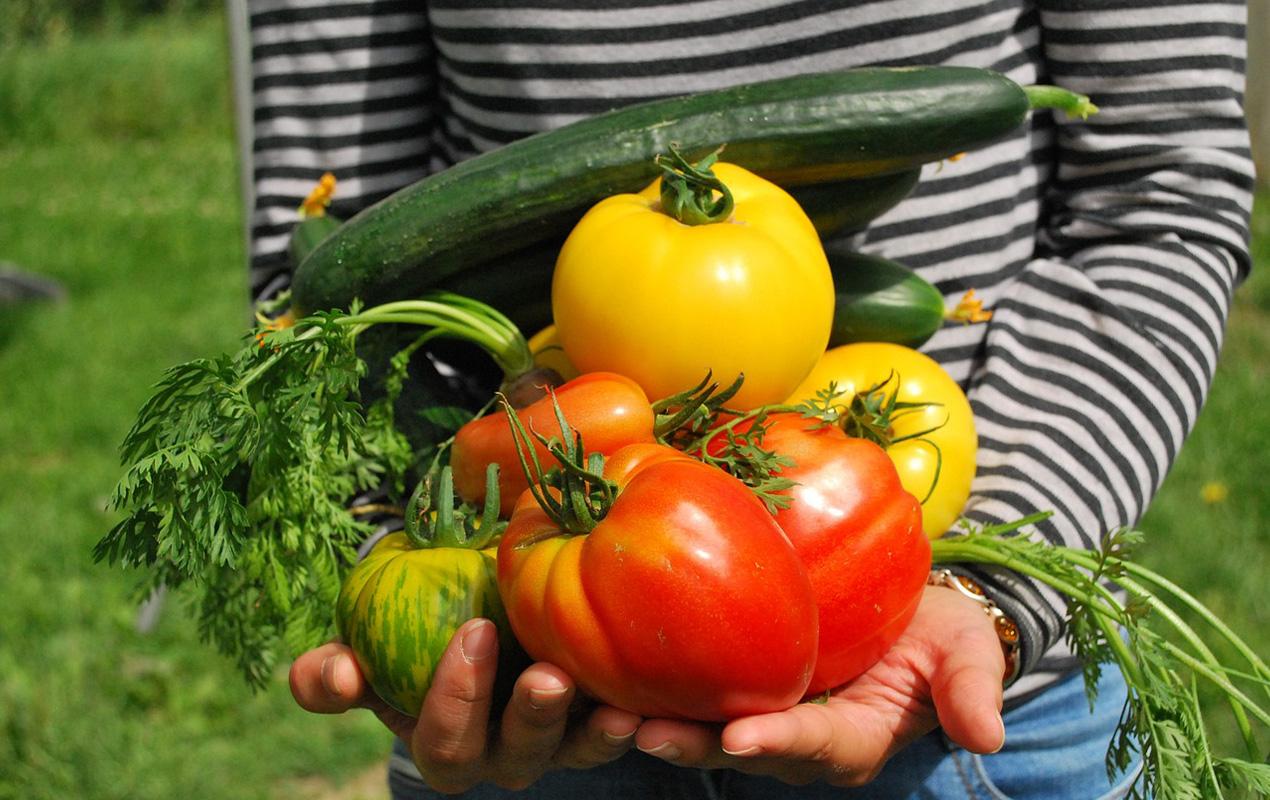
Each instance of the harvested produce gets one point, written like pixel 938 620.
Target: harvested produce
pixel 663 586
pixel 519 284
pixel 905 401
pixel 857 531
pixel 662 583
pixel 880 300
pixel 401 604
pixel 709 270
pixel 799 130
pixel 608 409
pixel 243 472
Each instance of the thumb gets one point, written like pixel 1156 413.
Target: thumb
pixel 326 680
pixel 966 689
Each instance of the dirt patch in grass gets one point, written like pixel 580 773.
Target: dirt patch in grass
pixel 370 784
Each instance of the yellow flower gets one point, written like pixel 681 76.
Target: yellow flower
pixel 1214 492
pixel 284 320
pixel 969 309
pixel 315 204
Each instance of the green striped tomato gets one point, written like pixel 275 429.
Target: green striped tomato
pixel 399 607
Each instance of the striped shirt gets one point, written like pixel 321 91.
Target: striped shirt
pixel 1108 249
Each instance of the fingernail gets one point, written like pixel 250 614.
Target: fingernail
pixel 665 751
pixel 478 643
pixel 545 697
pixel 618 738
pixel 1001 723
pixel 745 751
pixel 328 676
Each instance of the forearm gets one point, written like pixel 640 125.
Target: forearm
pixel 1101 350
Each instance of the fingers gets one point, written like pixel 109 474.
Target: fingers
pixel 680 742
pixel 532 726
pixel 326 680
pixel 449 741
pixel 967 692
pixel 605 735
pixel 806 743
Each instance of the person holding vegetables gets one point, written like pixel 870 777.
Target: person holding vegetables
pixel 1107 249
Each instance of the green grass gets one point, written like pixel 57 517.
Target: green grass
pixel 119 181
pixel 1219 550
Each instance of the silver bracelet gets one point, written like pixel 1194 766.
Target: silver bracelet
pixel 1007 630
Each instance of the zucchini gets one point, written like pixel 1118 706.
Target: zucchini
pixel 880 300
pixel 796 131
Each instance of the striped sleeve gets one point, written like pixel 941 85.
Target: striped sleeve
pixel 347 87
pixel 1101 350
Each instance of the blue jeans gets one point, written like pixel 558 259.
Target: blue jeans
pixel 1054 750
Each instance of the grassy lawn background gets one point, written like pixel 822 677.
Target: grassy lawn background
pixel 117 162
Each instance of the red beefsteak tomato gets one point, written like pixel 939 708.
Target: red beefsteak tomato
pixel 859 534
pixel 685 600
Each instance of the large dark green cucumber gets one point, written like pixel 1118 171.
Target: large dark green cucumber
pixel 841 207
pixel 795 131
pixel 880 300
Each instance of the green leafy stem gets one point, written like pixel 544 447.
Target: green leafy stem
pixel 239 470
pixel 1162 720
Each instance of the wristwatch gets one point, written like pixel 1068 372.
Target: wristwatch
pixel 1007 630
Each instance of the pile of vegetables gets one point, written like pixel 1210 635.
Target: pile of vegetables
pixel 712 485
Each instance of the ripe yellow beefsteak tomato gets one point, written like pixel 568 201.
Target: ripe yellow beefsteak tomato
pixel 937 466
pixel 638 292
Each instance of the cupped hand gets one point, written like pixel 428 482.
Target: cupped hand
pixel 946 670
pixel 452 741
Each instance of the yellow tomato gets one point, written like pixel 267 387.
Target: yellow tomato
pixel 947 451
pixel 545 345
pixel 636 291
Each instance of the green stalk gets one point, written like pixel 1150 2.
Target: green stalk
pixel 1188 633
pixel 458 317
pixel 1222 682
pixel 1069 102
pixel 1194 605
pixel 1109 611
pixel 698 445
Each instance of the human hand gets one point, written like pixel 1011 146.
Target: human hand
pixel 946 669
pixel 452 741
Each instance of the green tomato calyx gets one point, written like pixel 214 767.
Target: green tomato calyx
pixel 446 525
pixel 688 191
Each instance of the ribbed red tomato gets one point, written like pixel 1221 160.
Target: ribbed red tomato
pixel 859 534
pixel 685 600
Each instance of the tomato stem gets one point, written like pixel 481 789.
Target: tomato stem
pixel 446 525
pixel 574 491
pixel 693 408
pixel 688 190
